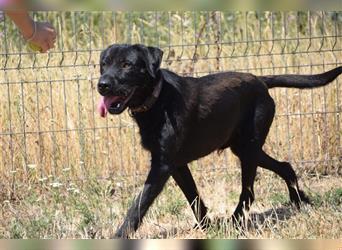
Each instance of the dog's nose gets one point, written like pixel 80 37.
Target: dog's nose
pixel 103 87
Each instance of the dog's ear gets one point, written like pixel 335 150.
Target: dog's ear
pixel 156 54
pixel 152 57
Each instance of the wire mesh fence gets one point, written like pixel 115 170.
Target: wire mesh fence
pixel 50 131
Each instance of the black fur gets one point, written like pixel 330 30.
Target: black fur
pixel 193 117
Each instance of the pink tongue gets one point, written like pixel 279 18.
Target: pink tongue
pixel 105 103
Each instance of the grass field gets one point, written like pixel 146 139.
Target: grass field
pixel 93 209
pixel 67 173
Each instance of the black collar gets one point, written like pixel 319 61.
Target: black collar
pixel 149 100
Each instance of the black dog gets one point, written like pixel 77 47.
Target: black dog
pixel 183 118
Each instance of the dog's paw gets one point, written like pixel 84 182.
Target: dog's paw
pixel 218 223
pixel 304 198
pixel 120 235
pixel 299 198
pixel 238 221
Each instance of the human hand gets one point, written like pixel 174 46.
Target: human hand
pixel 42 38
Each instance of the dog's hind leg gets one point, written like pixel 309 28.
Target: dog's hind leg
pixel 185 181
pixel 286 172
pixel 247 145
pixel 263 119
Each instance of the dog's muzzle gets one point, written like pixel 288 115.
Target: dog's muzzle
pixel 104 86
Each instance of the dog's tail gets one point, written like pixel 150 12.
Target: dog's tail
pixel 301 81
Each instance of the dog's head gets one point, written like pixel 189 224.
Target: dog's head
pixel 128 76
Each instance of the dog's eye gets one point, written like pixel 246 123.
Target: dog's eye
pixel 103 64
pixel 126 65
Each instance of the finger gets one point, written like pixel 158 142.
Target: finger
pixel 50 31
pixel 48 25
pixel 45 47
pixel 49 28
pixel 53 35
pixel 50 43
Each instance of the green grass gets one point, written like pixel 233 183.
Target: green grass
pixel 279 198
pixel 332 198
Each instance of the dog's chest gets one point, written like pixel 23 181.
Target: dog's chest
pixel 151 128
pixel 158 133
pixel 150 138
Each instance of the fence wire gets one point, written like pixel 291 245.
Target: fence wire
pixel 49 128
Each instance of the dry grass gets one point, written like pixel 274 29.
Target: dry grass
pixel 67 173
pixel 94 209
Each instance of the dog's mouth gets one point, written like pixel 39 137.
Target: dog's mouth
pixel 113 104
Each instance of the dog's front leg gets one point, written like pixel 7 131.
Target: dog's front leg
pixel 157 177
